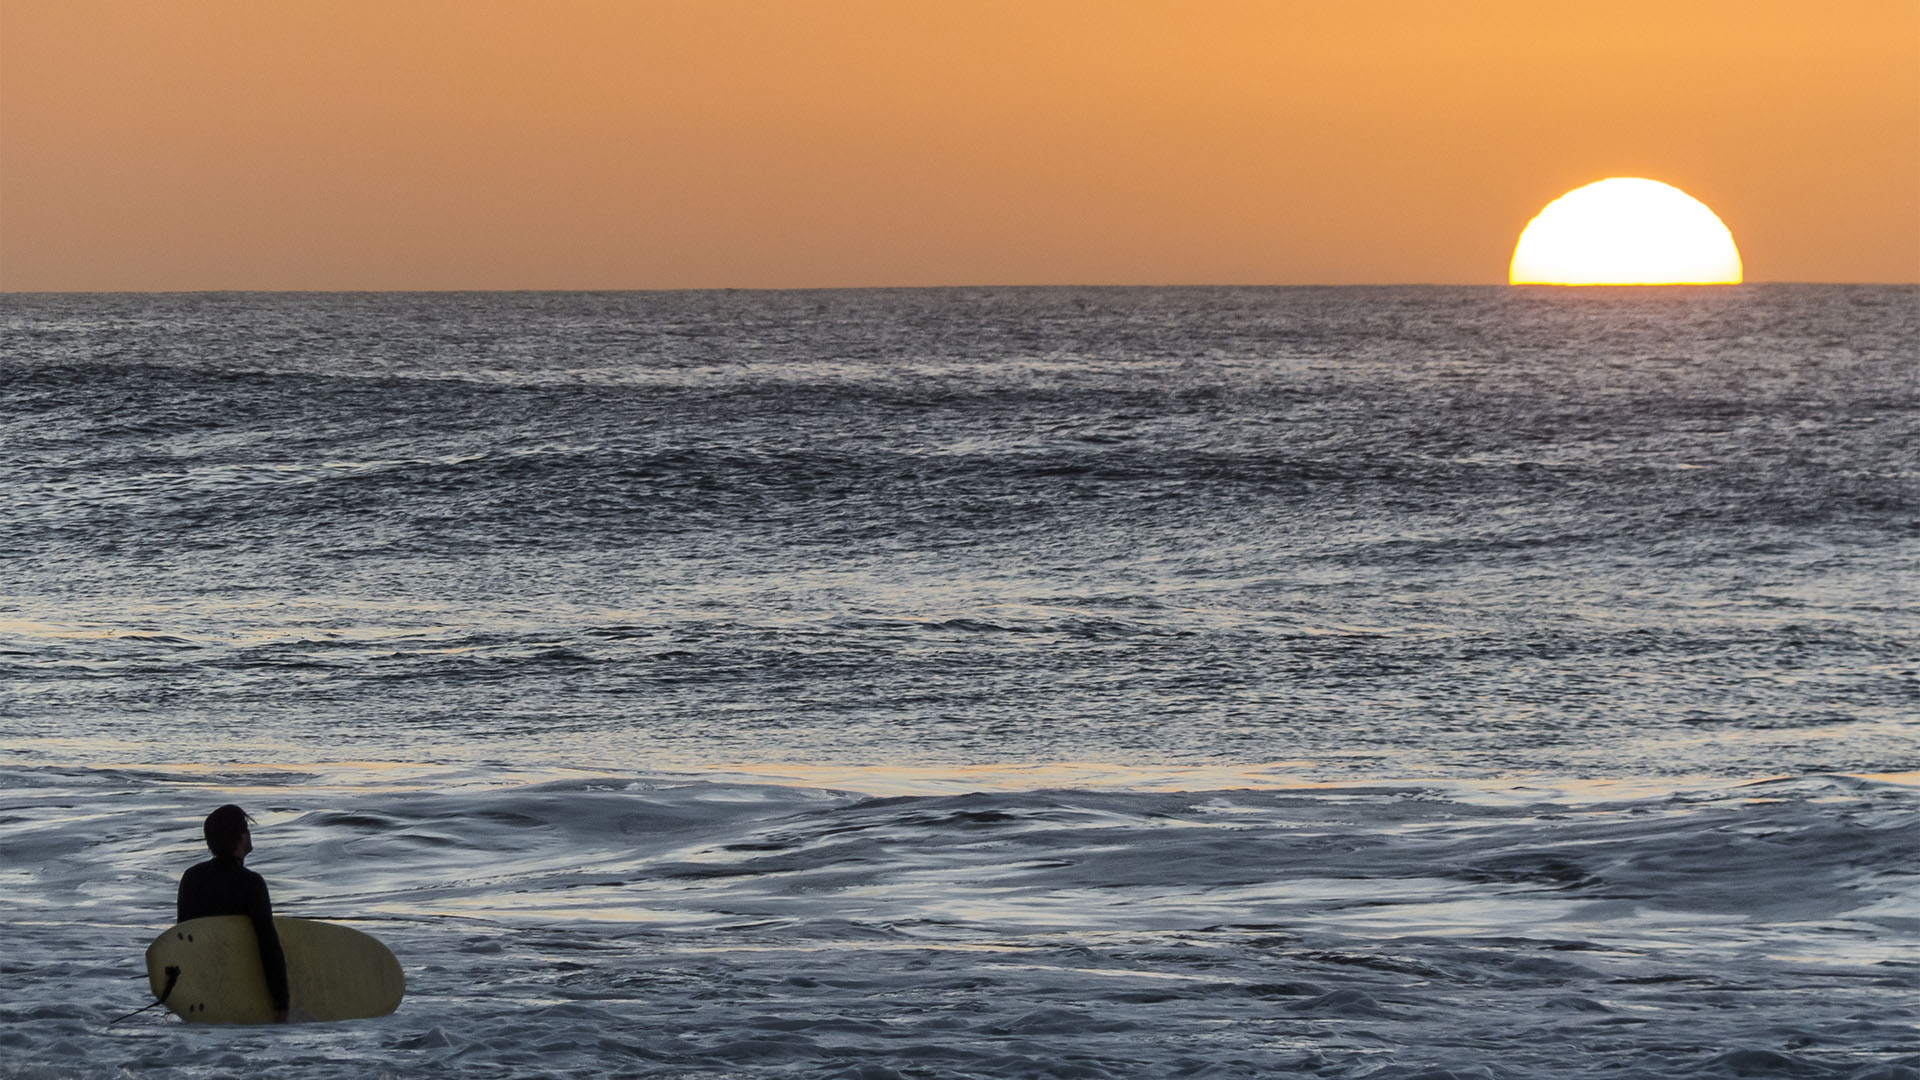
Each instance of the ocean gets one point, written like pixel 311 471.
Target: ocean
pixel 978 683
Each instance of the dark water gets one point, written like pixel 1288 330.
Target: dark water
pixel 980 683
pixel 1389 532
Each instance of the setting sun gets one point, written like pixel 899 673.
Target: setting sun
pixel 1625 231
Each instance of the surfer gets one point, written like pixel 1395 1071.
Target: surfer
pixel 224 886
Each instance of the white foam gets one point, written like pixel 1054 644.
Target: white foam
pixel 664 924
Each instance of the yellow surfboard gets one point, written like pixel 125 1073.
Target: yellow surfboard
pixel 333 973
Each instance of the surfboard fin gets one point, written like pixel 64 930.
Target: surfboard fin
pixel 173 976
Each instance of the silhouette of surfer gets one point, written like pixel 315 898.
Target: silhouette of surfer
pixel 224 886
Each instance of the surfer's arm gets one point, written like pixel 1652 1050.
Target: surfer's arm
pixel 272 960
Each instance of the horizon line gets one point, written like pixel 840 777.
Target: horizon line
pixel 925 288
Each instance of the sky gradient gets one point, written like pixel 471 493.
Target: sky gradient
pixel 586 144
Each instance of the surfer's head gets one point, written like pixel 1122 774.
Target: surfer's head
pixel 227 833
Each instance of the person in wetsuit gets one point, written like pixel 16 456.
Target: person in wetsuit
pixel 224 886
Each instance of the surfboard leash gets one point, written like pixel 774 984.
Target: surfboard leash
pixel 173 976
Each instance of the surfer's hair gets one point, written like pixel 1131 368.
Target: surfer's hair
pixel 224 828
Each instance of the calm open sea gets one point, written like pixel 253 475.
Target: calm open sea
pixel 1344 682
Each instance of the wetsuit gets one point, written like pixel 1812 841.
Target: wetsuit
pixel 224 886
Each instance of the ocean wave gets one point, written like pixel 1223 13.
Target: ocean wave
pixel 693 926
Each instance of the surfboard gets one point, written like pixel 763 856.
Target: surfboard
pixel 333 972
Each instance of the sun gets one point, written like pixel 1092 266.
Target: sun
pixel 1625 231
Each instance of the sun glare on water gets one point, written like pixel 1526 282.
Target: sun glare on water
pixel 1625 231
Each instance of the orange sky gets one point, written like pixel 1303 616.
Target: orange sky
pixel 440 144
